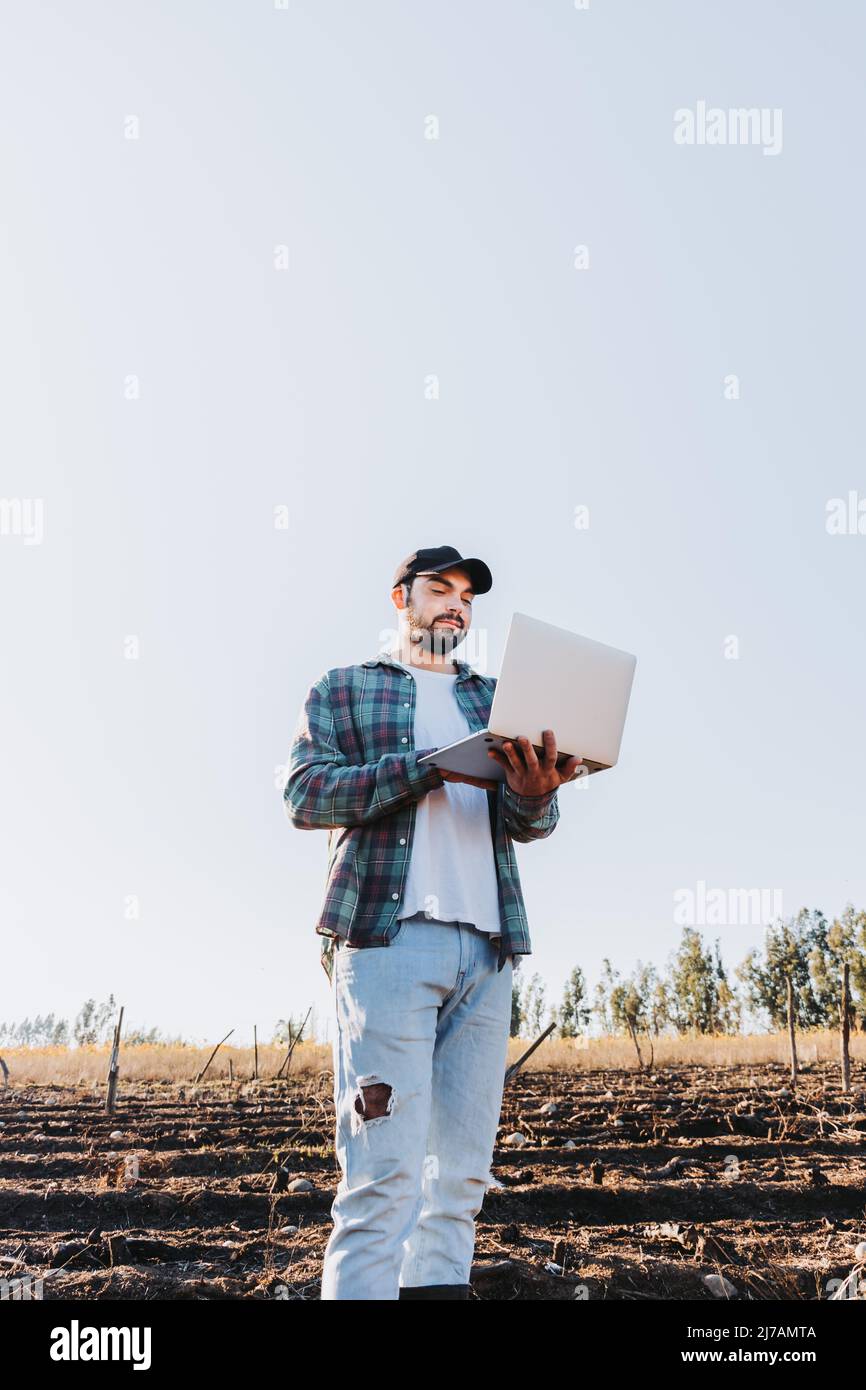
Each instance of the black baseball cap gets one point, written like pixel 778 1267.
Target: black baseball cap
pixel 443 557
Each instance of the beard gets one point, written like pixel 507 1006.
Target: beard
pixel 439 641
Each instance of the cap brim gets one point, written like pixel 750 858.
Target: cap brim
pixel 482 579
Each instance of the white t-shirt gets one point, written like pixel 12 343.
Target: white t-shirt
pixel 452 869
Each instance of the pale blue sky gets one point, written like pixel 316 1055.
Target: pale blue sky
pixel 154 258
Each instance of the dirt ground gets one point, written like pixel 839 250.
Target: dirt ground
pixel 630 1187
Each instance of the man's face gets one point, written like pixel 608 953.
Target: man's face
pixel 439 609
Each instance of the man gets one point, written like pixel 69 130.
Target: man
pixel 422 917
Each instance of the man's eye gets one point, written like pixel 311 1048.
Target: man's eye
pixel 445 591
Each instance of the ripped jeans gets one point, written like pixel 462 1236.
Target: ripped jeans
pixel 423 1025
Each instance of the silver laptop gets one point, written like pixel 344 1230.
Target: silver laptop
pixel 551 679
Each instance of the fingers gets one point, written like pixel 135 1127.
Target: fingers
pixel 513 757
pixel 529 760
pixel 529 753
pixel 519 756
pixel 523 760
pixel 569 771
pixel 548 738
pixel 518 769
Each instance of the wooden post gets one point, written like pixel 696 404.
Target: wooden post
pixel 113 1067
pixel 213 1054
pixel 633 1031
pixel 5 1070
pixel 256 1054
pixel 515 1066
pixel 293 1043
pixel 231 1070
pixel 845 1010
pixel 791 1032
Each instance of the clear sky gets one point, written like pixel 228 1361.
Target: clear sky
pixel 239 276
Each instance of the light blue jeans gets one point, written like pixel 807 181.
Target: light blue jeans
pixel 428 1016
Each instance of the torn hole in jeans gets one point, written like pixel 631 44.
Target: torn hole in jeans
pixel 373 1103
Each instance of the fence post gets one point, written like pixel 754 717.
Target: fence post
pixel 845 1008
pixel 113 1067
pixel 791 1033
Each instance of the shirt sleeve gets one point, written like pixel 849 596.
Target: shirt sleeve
pixel 528 817
pixel 324 791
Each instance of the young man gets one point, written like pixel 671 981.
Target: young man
pixel 422 916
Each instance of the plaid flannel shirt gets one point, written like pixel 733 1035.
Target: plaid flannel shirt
pixel 354 771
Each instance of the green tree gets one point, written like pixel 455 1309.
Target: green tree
pixel 93 1023
pixel 601 1006
pixel 845 943
pixel 658 1004
pixel 141 1037
pixel 628 1007
pixel 639 1001
pixel 574 1015
pixel 700 998
pixel 287 1029
pixel 534 1002
pixel 728 1007
pixel 789 947
pixel 516 1008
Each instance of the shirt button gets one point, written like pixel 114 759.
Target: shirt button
pixel 402 839
pixel 395 895
pixel 405 704
pixel 404 740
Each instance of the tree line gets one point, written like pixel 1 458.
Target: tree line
pixel 93 1025
pixel 696 993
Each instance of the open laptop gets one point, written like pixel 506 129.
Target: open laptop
pixel 551 679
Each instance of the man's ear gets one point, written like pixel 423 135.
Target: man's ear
pixel 398 594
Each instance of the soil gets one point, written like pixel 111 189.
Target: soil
pixel 636 1186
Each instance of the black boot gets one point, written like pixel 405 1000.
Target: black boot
pixel 435 1291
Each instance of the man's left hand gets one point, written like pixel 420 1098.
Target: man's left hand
pixel 528 775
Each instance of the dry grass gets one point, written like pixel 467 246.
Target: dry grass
pixel 84 1065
